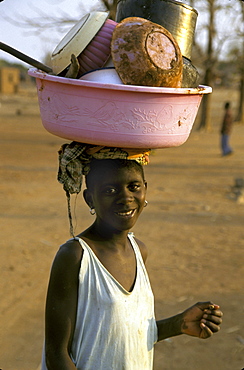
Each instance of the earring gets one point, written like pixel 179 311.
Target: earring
pixel 92 211
pixel 146 203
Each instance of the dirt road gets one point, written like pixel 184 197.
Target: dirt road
pixel 193 226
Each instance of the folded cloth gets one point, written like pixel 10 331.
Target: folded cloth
pixel 74 159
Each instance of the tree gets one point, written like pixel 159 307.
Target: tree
pixel 222 25
pixel 209 63
pixel 209 56
pixel 56 24
pixel 61 20
pixel 240 63
pixel 236 56
pixel 111 6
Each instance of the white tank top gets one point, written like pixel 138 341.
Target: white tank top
pixel 115 329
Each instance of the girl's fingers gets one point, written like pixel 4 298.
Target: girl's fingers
pixel 206 332
pixel 214 312
pixel 213 316
pixel 214 327
pixel 215 319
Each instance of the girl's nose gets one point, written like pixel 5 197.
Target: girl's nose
pixel 125 196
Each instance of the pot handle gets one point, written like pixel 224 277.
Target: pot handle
pixel 25 58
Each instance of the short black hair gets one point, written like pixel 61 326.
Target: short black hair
pixel 115 164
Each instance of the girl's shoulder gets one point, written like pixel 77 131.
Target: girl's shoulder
pixel 143 248
pixel 65 270
pixel 69 254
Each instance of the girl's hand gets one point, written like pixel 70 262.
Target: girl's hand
pixel 201 320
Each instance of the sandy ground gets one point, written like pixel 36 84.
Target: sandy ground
pixel 193 226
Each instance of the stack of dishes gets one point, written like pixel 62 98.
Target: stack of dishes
pixel 89 40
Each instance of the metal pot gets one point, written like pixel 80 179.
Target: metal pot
pixel 178 18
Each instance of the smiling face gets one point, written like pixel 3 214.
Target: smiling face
pixel 117 192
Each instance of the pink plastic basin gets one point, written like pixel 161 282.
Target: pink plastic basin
pixel 117 115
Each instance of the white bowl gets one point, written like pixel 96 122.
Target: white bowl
pixel 103 75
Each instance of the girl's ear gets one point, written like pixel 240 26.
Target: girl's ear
pixel 88 198
pixel 145 184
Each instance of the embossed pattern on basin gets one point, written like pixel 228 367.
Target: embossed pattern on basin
pixel 117 115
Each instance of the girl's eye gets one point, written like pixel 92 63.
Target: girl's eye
pixel 134 187
pixel 110 191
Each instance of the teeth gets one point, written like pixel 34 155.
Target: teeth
pixel 125 213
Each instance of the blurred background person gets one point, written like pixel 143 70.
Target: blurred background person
pixel 226 130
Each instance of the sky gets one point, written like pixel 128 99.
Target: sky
pixel 23 39
pixel 38 46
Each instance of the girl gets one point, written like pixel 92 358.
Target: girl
pixel 100 306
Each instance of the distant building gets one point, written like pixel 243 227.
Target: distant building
pixel 9 80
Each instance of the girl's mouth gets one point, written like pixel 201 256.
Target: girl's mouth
pixel 126 213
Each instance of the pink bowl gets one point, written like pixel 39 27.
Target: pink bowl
pixel 117 115
pixel 98 50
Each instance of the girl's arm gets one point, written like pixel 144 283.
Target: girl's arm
pixel 61 306
pixel 201 320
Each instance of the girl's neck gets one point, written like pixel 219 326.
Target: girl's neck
pixel 106 236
